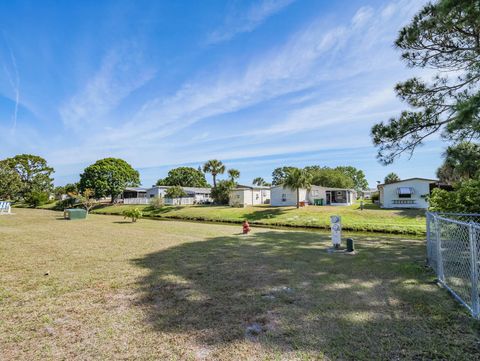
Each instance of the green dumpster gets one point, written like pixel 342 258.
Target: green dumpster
pixel 75 213
pixel 318 202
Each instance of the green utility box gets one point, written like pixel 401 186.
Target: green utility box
pixel 74 213
pixel 350 245
pixel 318 202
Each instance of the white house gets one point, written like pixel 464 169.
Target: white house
pixel 407 193
pixel 139 195
pixel 318 195
pixel 367 193
pixel 200 195
pixel 249 196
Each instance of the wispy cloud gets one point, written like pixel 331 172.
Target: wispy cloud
pixel 290 96
pixel 311 57
pixel 122 72
pixel 237 23
pixel 14 80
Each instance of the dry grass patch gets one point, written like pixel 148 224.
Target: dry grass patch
pixel 190 291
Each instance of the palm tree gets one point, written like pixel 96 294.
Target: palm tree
pixel 298 178
pixel 391 178
pixel 214 167
pixel 259 181
pixel 233 174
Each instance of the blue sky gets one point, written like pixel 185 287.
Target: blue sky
pixel 257 84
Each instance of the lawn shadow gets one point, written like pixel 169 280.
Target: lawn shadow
pixel 163 209
pixel 404 212
pixel 265 213
pixel 379 304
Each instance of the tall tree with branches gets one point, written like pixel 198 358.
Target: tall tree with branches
pixel 297 179
pixel 214 167
pixel 445 36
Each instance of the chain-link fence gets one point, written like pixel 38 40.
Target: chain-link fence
pixel 453 249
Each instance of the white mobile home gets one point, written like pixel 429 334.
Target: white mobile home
pixel 249 196
pixel 368 193
pixel 407 193
pixel 200 195
pixel 317 195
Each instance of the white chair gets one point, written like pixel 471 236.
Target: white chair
pixel 5 207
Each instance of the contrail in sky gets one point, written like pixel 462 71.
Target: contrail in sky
pixel 14 82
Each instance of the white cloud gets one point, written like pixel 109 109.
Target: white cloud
pixel 248 21
pixel 342 109
pixel 314 57
pixel 120 74
pixel 362 15
pixel 311 57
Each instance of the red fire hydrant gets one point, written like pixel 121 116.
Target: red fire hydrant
pixel 246 227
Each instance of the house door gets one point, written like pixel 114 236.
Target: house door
pixel 329 200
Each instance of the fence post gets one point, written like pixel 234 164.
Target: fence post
pixel 474 270
pixel 440 274
pixel 429 241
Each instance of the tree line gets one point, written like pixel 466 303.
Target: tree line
pixel 28 178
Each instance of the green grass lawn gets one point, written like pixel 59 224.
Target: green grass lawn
pixel 372 218
pixel 156 290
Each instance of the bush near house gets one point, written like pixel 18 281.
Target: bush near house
pixel 465 198
pixel 221 192
pixel 175 192
pixel 157 202
pixel 36 198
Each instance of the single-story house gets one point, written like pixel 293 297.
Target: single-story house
pixel 134 192
pixel 407 193
pixel 200 195
pixel 367 193
pixel 249 195
pixel 318 195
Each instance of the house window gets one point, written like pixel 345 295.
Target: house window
pixel 257 196
pixel 405 192
pixel 238 196
pixel 284 197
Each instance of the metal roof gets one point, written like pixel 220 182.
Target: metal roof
pixel 188 189
pixel 241 186
pixel 410 179
pixel 136 189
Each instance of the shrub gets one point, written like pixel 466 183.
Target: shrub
pixel 36 198
pixel 375 197
pixel 465 198
pixel 133 213
pixel 221 193
pixel 175 192
pixel 442 201
pixel 156 202
pixel 66 203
